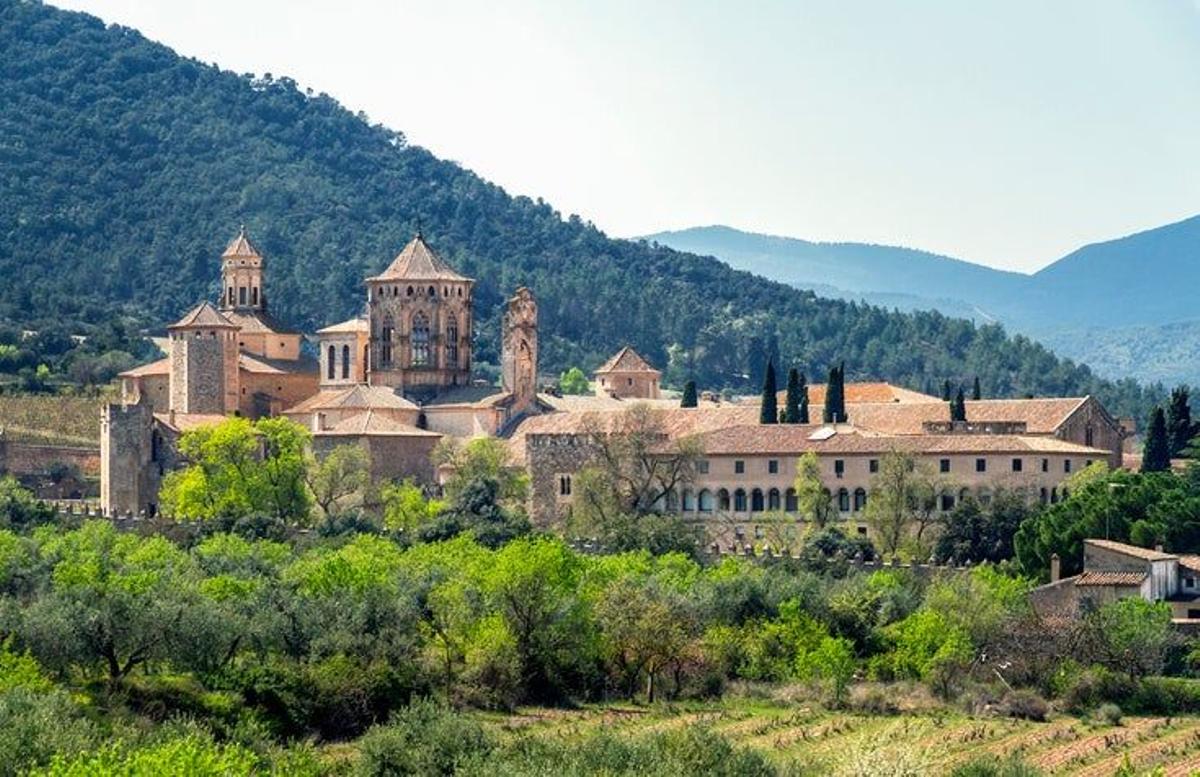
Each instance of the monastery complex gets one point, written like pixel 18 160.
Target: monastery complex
pixel 398 379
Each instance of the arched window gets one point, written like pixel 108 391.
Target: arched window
pixel 1054 496
pixel 984 496
pixel 739 500
pixel 432 292
pixel 1044 495
pixel 843 500
pixel 420 340
pixel 790 501
pixel 705 501
pixel 452 342
pixel 385 341
pixel 773 499
pixel 723 499
pixel 330 366
pixel 860 499
pixel 345 362
pixel 1066 493
pixel 756 500
pixel 689 501
pixel 410 291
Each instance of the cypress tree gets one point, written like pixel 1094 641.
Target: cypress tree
pixel 841 394
pixel 689 395
pixel 1179 421
pixel 1156 455
pixel 803 401
pixel 946 395
pixel 770 404
pixel 791 407
pixel 958 411
pixel 833 412
pixel 976 393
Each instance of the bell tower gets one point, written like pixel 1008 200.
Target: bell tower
pixel 242 276
pixel 518 353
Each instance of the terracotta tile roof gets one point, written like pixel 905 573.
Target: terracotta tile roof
pixel 1040 416
pixel 358 396
pixel 1146 554
pixel 160 367
pixel 352 326
pixel 626 360
pixel 1190 562
pixel 264 366
pixel 1111 578
pixel 258 322
pixel 203 315
pixel 468 396
pixel 183 422
pixel 784 439
pixel 862 392
pixel 418 262
pixel 241 246
pixel 370 423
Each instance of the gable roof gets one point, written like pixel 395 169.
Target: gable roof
pixel 241 246
pixel 626 360
pixel 1133 551
pixel 370 423
pixel 1110 578
pixel 203 315
pixel 357 396
pixel 258 322
pixel 857 392
pixel 1040 416
pixel 418 262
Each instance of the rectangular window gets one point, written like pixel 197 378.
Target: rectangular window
pixel 1016 465
pixel 839 467
pixel 944 465
pixel 947 502
pixel 981 465
pixel 1189 582
pixel 241 295
pixel 773 466
pixel 873 466
pixel 1067 465
pixel 564 485
pixel 739 467
pixel 1045 465
pixel 862 531
pixel 702 467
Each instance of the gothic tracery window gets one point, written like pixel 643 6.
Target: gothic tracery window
pixel 452 342
pixel 420 340
pixel 385 337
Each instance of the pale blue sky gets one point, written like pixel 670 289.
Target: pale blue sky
pixel 1007 132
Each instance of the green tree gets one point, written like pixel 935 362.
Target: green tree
pixel 795 390
pixel 643 629
pixel 947 391
pixel 1130 635
pixel 483 458
pixel 574 381
pixel 18 506
pixel 407 508
pixel 1179 421
pixel 238 469
pixel 812 497
pixel 769 412
pixel 689 395
pixel 1156 453
pixel 976 391
pixel 900 493
pixel 339 480
pixel 835 395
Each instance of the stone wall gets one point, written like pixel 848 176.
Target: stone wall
pixel 1105 431
pixel 23 458
pixel 393 457
pixel 550 458
pixel 199 372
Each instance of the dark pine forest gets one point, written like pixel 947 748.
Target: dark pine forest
pixel 125 168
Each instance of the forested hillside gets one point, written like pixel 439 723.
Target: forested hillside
pixel 125 168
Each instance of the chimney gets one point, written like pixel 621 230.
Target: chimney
pixel 1055 568
pixel 1158 547
pixel 171 417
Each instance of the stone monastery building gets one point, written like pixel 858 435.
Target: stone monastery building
pixel 398 379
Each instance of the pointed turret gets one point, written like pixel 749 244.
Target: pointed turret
pixel 242 275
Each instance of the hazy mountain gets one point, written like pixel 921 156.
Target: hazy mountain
pixel 1124 306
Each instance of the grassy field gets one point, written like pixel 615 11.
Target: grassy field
pixel 931 741
pixel 51 419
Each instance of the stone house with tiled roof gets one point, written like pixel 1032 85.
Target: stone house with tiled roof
pixel 1118 570
pixel 626 375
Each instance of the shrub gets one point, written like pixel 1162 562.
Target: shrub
pixel 874 701
pixel 1109 714
pixel 35 726
pixel 1166 696
pixel 989 766
pixel 424 738
pixel 1094 686
pixel 1025 705
pixel 195 755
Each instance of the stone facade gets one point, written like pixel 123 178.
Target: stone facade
pixel 420 323
pixel 204 371
pixel 518 353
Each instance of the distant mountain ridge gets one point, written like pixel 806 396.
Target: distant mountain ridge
pixel 1124 306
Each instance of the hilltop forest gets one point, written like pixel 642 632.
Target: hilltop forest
pixel 125 168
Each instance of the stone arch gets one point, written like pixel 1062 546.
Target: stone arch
pixel 688 503
pixel 843 500
pixel 387 331
pixel 330 362
pixel 451 341
pixel 791 502
pixel 704 501
pixel 723 499
pixel 345 362
pixel 756 501
pixel 773 500
pixel 860 499
pixel 739 500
